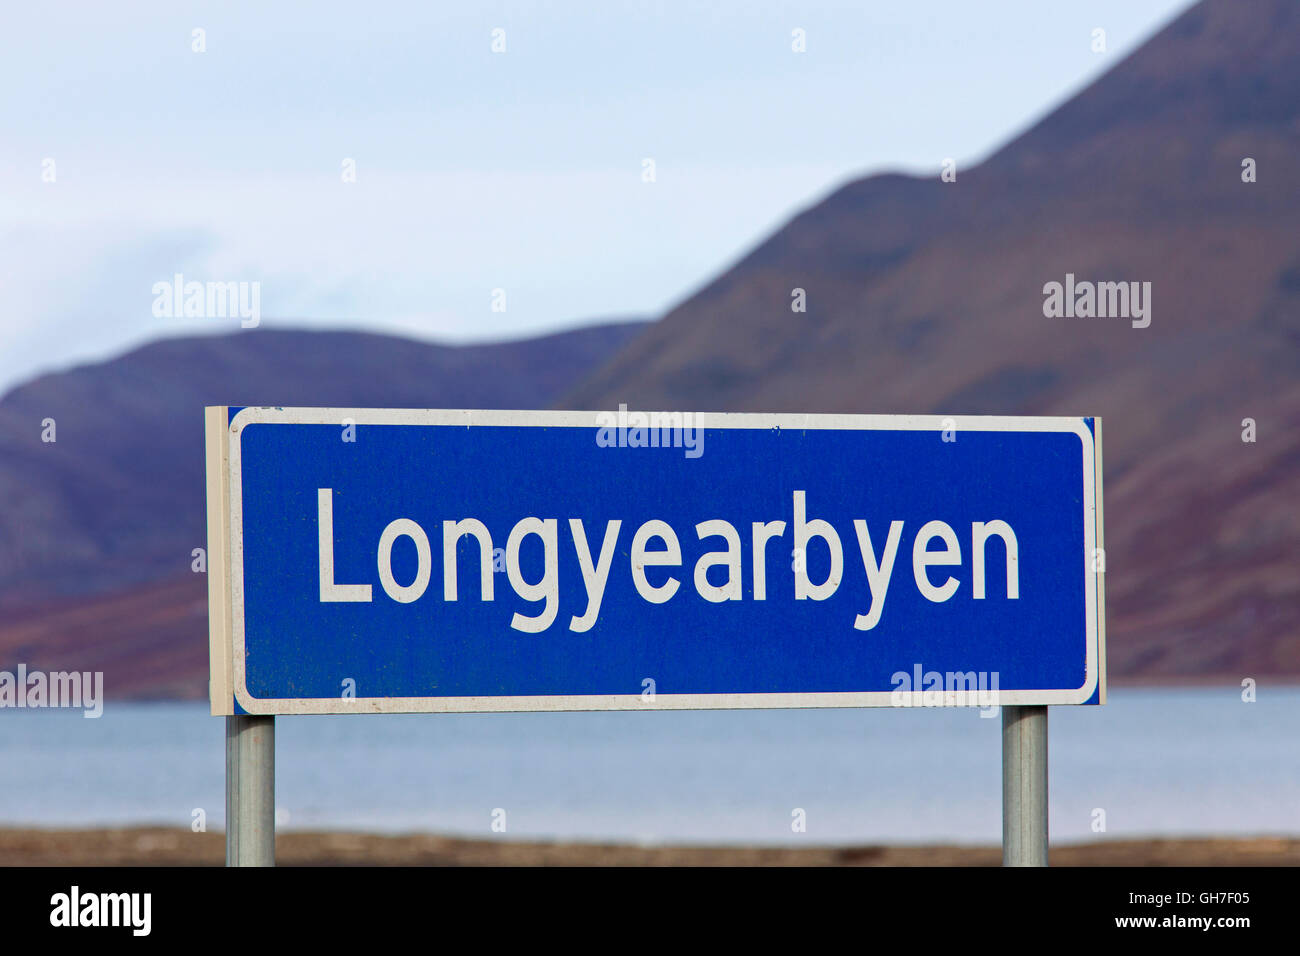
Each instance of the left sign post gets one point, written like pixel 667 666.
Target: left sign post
pixel 250 740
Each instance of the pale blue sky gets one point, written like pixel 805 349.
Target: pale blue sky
pixel 475 170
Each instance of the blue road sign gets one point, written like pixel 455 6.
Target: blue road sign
pixel 376 560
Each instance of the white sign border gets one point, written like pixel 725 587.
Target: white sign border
pixel 234 620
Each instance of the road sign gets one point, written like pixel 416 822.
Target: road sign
pixel 381 560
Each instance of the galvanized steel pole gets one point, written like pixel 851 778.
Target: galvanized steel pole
pixel 250 791
pixel 1024 786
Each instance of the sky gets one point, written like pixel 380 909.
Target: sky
pixel 497 193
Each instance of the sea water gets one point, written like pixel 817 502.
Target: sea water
pixel 1150 762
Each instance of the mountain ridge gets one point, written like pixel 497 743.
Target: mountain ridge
pixel 926 296
pixel 87 512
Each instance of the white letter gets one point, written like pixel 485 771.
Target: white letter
pixel 878 575
pixel 93 700
pixel 1052 302
pixel 141 919
pixel 250 306
pixel 329 591
pixel 605 428
pixel 59 914
pixel 395 529
pixel 548 588
pixel 731 558
pixel 594 577
pixel 162 303
pixel 451 535
pixel 817 528
pixel 641 559
pixel 1142 315
pixel 979 533
pixel 921 558
pixel 772 529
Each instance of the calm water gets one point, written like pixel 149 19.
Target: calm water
pixel 1157 762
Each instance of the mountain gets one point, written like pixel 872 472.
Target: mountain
pixel 98 526
pixel 925 296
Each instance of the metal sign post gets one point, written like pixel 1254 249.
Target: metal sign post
pixel 250 791
pixel 1024 786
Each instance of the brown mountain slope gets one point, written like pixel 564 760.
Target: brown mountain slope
pixel 925 296
pixel 118 501
pixel 98 526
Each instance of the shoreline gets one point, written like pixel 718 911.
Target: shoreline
pixel 177 846
pixel 1140 682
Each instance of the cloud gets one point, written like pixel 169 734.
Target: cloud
pixel 414 253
